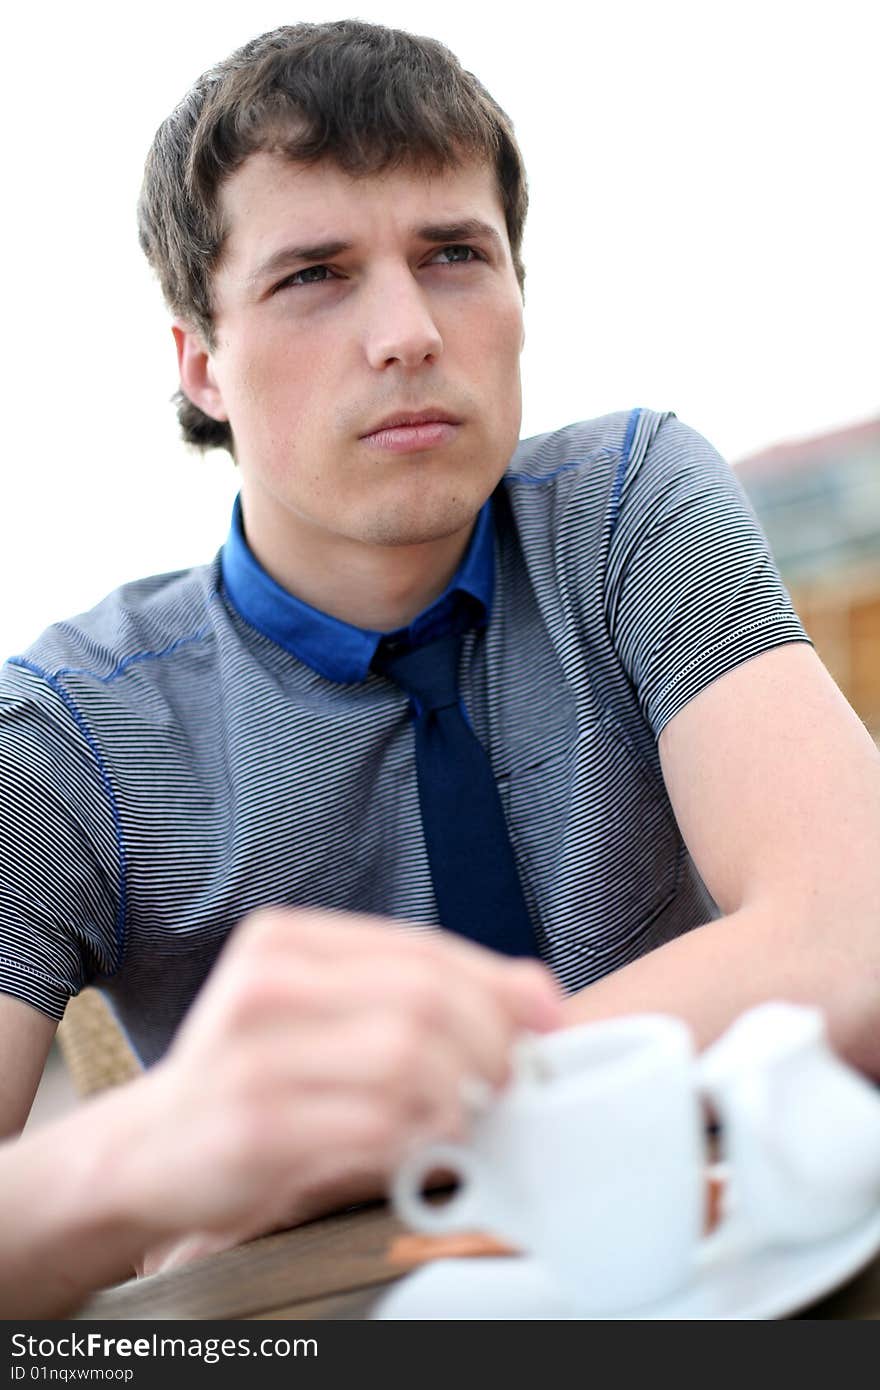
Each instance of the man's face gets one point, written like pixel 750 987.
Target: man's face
pixel 313 352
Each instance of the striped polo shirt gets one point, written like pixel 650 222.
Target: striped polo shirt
pixel 184 753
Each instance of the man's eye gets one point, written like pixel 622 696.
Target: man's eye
pixel 320 274
pixel 460 260
pixel 296 279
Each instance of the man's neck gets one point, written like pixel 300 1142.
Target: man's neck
pixel 380 588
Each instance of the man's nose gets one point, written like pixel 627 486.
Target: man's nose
pixel 400 326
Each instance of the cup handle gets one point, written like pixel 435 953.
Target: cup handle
pixel 460 1213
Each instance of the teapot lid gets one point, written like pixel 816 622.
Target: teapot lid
pixel 768 1032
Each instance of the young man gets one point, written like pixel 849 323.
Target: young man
pixel 549 694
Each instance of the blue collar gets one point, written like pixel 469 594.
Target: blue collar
pixel 336 649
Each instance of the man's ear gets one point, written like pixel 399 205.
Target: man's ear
pixel 197 380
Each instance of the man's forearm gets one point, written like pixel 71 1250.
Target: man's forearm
pixel 714 973
pixel 69 1225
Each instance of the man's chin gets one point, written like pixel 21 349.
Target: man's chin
pixel 421 521
pixel 403 536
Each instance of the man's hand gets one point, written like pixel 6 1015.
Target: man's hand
pixel 321 1047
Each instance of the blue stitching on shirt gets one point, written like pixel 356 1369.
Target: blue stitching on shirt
pixel 43 975
pixel 621 467
pixel 130 660
pixel 54 683
pixel 539 478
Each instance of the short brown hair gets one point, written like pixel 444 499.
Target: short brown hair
pixel 365 97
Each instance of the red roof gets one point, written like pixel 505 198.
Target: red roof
pixel 815 450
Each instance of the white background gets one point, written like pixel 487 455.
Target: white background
pixel 703 237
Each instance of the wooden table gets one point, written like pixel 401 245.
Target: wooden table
pixel 335 1267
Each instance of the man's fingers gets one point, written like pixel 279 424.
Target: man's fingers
pixel 325 1044
pixel 424 1003
pixel 527 988
pixel 533 995
pixel 413 1080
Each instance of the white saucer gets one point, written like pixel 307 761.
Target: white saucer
pixel 758 1284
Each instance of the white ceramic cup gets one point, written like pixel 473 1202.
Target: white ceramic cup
pixel 801 1129
pixel 592 1160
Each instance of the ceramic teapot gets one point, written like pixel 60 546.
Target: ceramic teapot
pixel 800 1128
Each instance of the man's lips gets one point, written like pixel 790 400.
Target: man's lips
pixel 429 414
pixel 411 439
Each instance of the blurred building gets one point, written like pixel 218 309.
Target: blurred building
pixel 819 502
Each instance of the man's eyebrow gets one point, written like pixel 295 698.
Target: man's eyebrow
pixel 467 230
pixel 322 251
pixel 434 232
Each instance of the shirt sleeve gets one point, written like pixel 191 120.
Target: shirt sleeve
pixel 60 899
pixel 692 588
